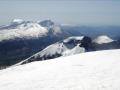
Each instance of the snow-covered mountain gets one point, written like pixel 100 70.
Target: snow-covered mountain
pixel 21 39
pixel 22 29
pixel 88 71
pixel 26 30
pixel 69 46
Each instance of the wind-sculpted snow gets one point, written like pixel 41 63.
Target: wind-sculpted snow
pixel 88 71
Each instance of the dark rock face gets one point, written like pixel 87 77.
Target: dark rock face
pixel 86 42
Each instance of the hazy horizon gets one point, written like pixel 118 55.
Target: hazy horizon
pixel 80 12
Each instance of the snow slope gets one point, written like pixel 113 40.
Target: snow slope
pixel 88 71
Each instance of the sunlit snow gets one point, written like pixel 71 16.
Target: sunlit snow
pixel 88 71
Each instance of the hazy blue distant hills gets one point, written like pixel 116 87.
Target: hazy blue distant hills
pixel 111 31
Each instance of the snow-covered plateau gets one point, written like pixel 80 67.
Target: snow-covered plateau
pixel 98 70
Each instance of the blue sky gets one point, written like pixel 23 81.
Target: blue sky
pixel 82 12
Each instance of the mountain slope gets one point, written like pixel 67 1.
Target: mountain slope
pixel 70 46
pixel 88 71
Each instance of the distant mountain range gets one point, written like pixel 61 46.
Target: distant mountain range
pixel 22 39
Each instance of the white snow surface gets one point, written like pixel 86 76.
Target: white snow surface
pixel 60 48
pixel 87 71
pixel 103 39
pixel 52 50
pixel 76 50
